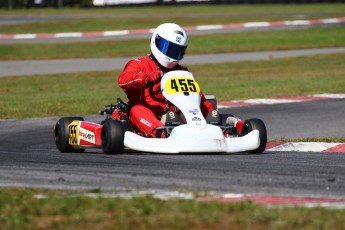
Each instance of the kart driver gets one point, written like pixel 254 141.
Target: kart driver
pixel 140 80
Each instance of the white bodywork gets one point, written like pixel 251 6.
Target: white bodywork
pixel 180 88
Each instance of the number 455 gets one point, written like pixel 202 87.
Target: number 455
pixel 184 85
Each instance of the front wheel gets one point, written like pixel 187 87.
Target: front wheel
pixel 61 135
pixel 112 137
pixel 257 124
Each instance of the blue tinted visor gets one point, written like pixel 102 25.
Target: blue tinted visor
pixel 169 48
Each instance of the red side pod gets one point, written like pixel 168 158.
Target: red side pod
pixel 98 133
pixel 89 134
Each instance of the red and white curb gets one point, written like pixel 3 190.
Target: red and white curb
pixel 116 33
pixel 305 147
pixel 292 146
pixel 271 200
pixel 279 100
pixel 279 200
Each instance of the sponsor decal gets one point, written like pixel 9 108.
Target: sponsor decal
pixel 145 122
pixel 171 115
pixel 73 133
pixel 193 111
pixel 214 113
pixel 196 119
pixel 86 135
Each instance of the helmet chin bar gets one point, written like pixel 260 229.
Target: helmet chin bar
pixel 161 65
pixel 172 65
pixel 164 61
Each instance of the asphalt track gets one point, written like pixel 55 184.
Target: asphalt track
pixel 25 68
pixel 29 158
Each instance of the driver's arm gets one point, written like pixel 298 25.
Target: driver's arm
pixel 132 77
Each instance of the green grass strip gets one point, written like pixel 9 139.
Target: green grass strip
pixel 20 209
pixel 86 93
pixel 201 44
pixel 150 16
pixel 232 9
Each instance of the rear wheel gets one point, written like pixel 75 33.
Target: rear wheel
pixel 112 137
pixel 257 124
pixel 62 135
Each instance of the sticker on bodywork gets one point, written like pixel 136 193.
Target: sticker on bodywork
pixel 86 135
pixel 80 136
pixel 182 85
pixel 73 133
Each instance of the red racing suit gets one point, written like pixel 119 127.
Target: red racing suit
pixel 148 107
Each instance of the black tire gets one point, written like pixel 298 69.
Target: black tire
pixel 113 134
pixel 257 124
pixel 62 135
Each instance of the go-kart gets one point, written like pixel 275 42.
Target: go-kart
pixel 194 135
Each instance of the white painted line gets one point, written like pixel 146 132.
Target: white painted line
pixel 270 101
pixel 330 20
pixel 232 195
pixel 209 27
pixel 68 35
pixel 297 23
pixel 330 95
pixel 24 36
pixel 256 24
pixel 115 33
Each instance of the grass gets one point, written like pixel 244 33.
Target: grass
pixel 56 95
pixel 216 43
pixel 273 78
pixel 136 17
pixel 19 209
pixel 87 93
pixel 161 11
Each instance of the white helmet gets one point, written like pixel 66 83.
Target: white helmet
pixel 168 44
